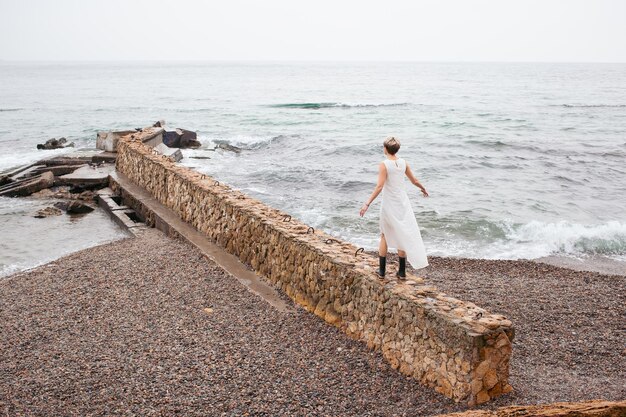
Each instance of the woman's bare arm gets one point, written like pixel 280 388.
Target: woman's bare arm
pixel 382 177
pixel 414 180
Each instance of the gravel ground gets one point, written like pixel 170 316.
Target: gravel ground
pixel 570 341
pixel 147 326
pixel 122 329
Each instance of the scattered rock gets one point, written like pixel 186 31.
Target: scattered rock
pixel 55 144
pixel 88 195
pixel 47 212
pixel 74 207
pixel 228 147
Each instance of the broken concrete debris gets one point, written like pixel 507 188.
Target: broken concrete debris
pixel 181 138
pixel 107 141
pixel 27 186
pixel 175 154
pixel 33 178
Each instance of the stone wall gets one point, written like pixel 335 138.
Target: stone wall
pixel 459 349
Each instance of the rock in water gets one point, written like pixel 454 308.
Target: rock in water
pixel 181 138
pixel 227 147
pixel 188 139
pixel 77 207
pixel 55 144
pixel 47 212
pixel 74 207
pixel 171 139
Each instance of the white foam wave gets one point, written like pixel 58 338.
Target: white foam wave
pixel 537 239
pixel 532 240
pixel 14 159
pixel 570 238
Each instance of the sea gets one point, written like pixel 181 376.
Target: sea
pixel 521 160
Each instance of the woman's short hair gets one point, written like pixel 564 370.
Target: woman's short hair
pixel 392 145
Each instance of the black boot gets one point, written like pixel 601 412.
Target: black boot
pixel 402 268
pixel 382 262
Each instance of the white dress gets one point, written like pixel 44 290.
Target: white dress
pixel 397 220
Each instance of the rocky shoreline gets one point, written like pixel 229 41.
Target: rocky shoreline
pixel 148 326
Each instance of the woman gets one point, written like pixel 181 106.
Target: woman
pixel 398 227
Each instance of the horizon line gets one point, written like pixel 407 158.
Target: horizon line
pixel 294 61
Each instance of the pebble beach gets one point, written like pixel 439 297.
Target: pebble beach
pixel 148 326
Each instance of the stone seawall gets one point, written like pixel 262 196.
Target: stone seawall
pixel 459 349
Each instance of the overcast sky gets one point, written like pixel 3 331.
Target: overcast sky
pixel 336 30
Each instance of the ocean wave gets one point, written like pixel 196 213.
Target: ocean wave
pixel 253 142
pixel 16 109
pixel 487 143
pixel 589 105
pixel 14 160
pixel 316 106
pixel 501 144
pixel 571 238
pixel 489 239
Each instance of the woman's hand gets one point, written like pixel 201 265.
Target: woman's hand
pixel 364 209
pixel 424 192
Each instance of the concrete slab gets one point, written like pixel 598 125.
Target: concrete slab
pixel 28 186
pixel 173 153
pixel 105 191
pixel 14 171
pixel 104 157
pixel 29 172
pixel 167 221
pixel 58 169
pixel 107 141
pixel 87 175
pixel 62 160
pixel 121 214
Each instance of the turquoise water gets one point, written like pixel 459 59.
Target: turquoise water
pixel 521 160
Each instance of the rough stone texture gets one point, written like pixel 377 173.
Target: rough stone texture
pixel 597 408
pixel 455 347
